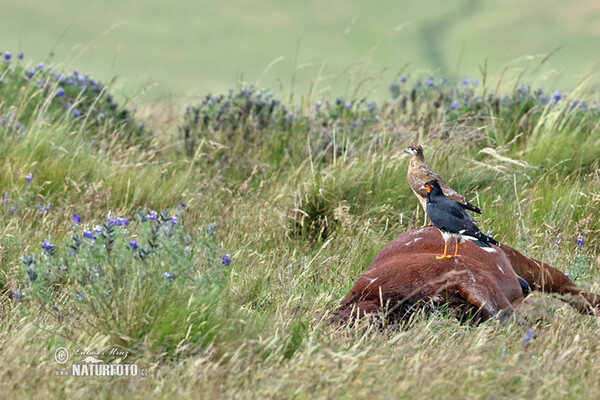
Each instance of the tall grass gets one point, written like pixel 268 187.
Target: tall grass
pixel 302 204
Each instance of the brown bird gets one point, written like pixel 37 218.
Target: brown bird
pixel 419 173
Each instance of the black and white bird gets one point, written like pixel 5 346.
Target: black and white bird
pixel 453 221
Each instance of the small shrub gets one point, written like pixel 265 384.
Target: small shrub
pixel 161 289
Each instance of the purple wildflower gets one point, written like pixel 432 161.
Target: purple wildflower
pixel 225 260
pixel 122 221
pixel 403 78
pixel 75 72
pixel 556 95
pixel 133 244
pixel 476 82
pixel 17 295
pixel 429 82
pixel 29 178
pixel 97 229
pixel 13 210
pixel 152 216
pixel 443 80
pixel 181 204
pixel 584 107
pixel 76 113
pixel 68 105
pixel 528 336
pixel 173 221
pixel 20 56
pixel 319 104
pixel 46 245
pixel 168 276
pixel 30 73
pixel 76 218
pixel 348 105
pixel 79 296
pixel 89 235
pixel 466 81
pixel 5 201
pixel 454 105
pixel 7 55
pixel 60 92
pixel 40 65
pixel 580 241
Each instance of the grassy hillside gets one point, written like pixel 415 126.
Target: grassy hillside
pixel 213 244
pixel 192 48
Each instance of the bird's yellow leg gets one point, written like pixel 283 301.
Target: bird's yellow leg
pixel 445 253
pixel 456 251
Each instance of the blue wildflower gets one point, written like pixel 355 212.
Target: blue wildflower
pixel 17 295
pixel 152 216
pixel 30 73
pixel 75 72
pixel 7 55
pixel 319 104
pixel 476 82
pixel 5 201
pixel 29 178
pixel 133 244
pixel 584 107
pixel 454 104
pixel 122 221
pixel 60 92
pixel 556 95
pixel 580 241
pixel 443 80
pixel 429 82
pixel 225 260
pixel 168 276
pixel 89 235
pixel 79 296
pixel 403 78
pixel 76 218
pixel 348 105
pixel 528 336
pixel 76 113
pixel 97 229
pixel 46 245
pixel 466 81
pixel 20 56
pixel 68 105
pixel 181 204
pixel 40 65
pixel 173 221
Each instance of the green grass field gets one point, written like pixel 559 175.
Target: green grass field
pixel 213 244
pixel 189 49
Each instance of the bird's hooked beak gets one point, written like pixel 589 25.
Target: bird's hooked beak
pixel 408 150
pixel 426 187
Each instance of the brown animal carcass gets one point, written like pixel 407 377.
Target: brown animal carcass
pixel 406 276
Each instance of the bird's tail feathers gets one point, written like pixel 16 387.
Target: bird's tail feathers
pixel 485 245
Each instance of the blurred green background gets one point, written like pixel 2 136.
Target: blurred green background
pixel 191 48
